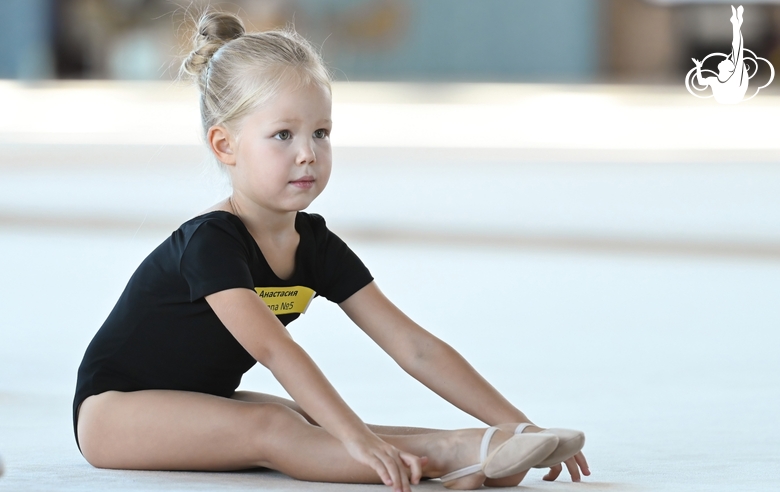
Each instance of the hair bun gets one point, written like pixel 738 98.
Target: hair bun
pixel 214 30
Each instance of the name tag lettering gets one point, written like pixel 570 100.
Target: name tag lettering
pixel 286 300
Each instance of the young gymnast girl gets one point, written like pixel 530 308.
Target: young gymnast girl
pixel 157 386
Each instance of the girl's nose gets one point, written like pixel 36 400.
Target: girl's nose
pixel 306 154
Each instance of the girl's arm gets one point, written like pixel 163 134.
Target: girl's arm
pixel 427 358
pixel 438 366
pixel 262 335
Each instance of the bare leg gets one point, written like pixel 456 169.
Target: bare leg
pixel 382 430
pixel 176 430
pixel 387 430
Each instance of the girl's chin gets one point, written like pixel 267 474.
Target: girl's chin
pixel 297 205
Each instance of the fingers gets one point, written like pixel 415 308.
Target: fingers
pixel 398 478
pixel 573 465
pixel 398 466
pixel 415 465
pixel 381 470
pixel 393 466
pixel 553 473
pixel 583 463
pixel 574 470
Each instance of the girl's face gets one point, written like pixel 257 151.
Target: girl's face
pixel 283 154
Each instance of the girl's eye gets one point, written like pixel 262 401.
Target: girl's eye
pixel 283 135
pixel 321 133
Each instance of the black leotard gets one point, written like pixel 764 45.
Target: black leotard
pixel 162 334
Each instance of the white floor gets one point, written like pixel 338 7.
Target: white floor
pixel 668 360
pixel 670 365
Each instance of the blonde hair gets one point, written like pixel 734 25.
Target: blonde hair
pixel 237 71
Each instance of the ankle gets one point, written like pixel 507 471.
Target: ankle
pixel 455 450
pixel 439 450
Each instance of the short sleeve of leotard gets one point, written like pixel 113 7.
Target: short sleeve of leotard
pixel 215 258
pixel 342 273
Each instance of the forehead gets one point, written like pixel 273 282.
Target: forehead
pixel 303 102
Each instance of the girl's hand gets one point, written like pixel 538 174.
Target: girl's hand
pixel 573 464
pixel 395 468
pixel 697 62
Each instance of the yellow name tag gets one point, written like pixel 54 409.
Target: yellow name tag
pixel 286 300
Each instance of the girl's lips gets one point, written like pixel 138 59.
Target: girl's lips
pixel 305 182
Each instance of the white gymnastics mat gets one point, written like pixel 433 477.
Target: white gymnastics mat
pixel 629 293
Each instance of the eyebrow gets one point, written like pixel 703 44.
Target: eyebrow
pixel 296 120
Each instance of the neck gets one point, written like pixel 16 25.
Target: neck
pixel 260 221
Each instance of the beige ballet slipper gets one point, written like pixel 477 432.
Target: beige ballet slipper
pixel 517 454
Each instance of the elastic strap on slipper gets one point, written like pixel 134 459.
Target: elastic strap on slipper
pixel 521 428
pixel 483 452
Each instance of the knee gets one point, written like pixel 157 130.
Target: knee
pixel 271 418
pixel 274 425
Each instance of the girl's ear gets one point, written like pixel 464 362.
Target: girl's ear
pixel 222 144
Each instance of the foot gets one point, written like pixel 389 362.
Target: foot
pixel 505 454
pixel 511 428
pixel 514 480
pixel 571 442
pixel 511 481
pixel 460 449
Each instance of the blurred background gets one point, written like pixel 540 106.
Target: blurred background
pixel 579 41
pixel 544 149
